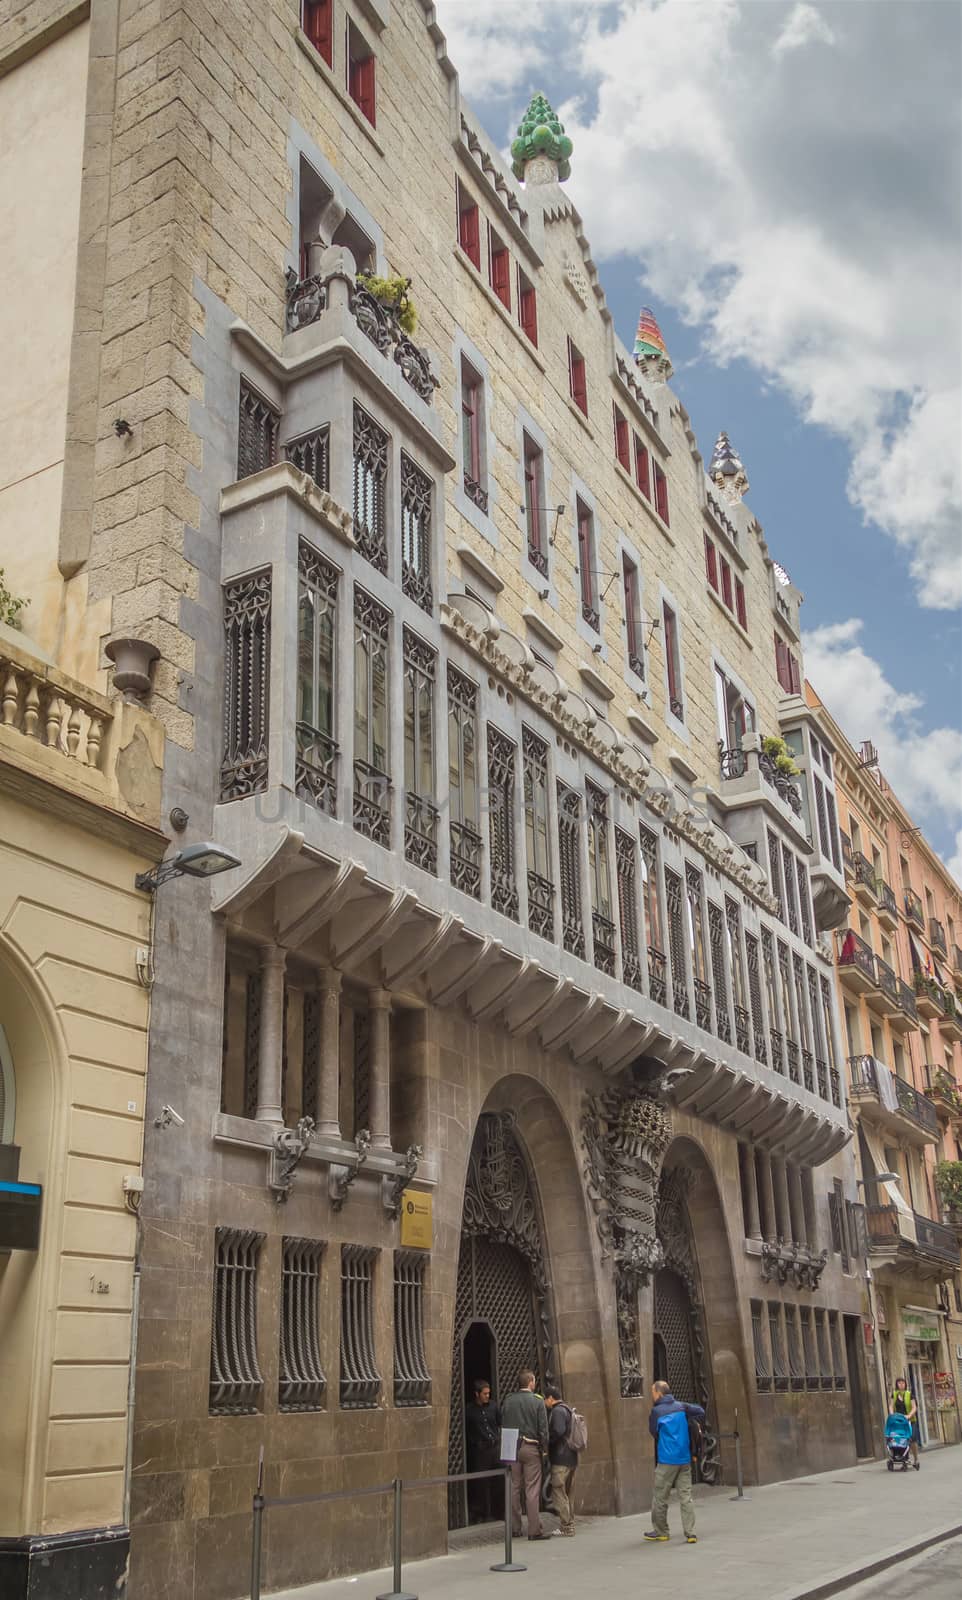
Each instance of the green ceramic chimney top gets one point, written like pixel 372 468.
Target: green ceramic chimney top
pixel 541 134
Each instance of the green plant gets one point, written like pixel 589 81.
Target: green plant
pixel 948 1181
pixel 780 754
pixel 393 292
pixel 11 605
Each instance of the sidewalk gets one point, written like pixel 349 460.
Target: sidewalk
pixel 786 1541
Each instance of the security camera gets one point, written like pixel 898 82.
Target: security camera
pixel 167 1116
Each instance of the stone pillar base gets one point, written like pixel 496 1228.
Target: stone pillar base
pixel 88 1565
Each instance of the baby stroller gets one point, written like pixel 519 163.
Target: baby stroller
pixel 898 1438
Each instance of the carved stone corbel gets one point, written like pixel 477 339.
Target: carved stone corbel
pixel 341 1177
pixel 392 1188
pixel 290 1147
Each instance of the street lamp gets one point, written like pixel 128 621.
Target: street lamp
pixel 194 861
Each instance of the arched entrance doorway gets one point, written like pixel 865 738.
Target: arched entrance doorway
pixel 501 1315
pixel 681 1356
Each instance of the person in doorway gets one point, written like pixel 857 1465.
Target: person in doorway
pixel 903 1404
pixel 561 1458
pixel 669 1427
pixel 526 1411
pixel 482 1434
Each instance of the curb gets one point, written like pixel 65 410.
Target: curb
pixel 871 1569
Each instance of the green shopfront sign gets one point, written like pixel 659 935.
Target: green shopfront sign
pixel 918 1327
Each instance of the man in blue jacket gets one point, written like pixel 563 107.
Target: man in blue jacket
pixel 668 1425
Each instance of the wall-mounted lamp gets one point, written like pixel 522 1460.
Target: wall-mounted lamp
pixel 194 861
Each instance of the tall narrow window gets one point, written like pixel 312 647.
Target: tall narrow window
pixel 697 946
pixel 661 493
pixel 676 704
pixel 824 1354
pixel 711 563
pixel 360 1379
pixel 652 908
pixel 360 73
pixel 772 996
pixel 622 439
pixel 586 566
pixel 247 677
pixel 420 812
pixel 719 969
pixel 372 784
pixel 528 308
pixel 775 873
pixel 577 381
pixel 628 909
pixel 499 267
pixel 835 1349
pixel 804 904
pixel 257 425
pixel 236 1385
pixel 534 505
pixel 740 610
pixel 676 942
pixel 501 766
pixel 370 480
pixel 796 1363
pixel 301 1380
pixel 642 471
pixel 472 420
pixel 791 897
pixel 536 824
pixel 416 490
pixel 809 1352
pixel 629 578
pixel 755 996
pixel 737 970
pixel 763 1375
pixel 412 1381
pixel 599 878
pixel 469 226
pixel 726 584
pixel 569 873
pixel 463 801
pixel 315 765
pixel 786 667
pixel 779 1367
pixel 317 17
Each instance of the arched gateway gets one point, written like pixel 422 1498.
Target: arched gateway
pixel 502 1316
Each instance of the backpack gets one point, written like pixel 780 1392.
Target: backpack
pixel 577 1436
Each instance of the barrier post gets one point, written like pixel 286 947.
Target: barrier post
pixel 739 1476
pixel 257 1529
pixel 507 1565
pixel 397 1593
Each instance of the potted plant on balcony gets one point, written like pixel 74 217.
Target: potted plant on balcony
pixel 11 604
pixel 394 295
pixel 948 1181
pixel 780 756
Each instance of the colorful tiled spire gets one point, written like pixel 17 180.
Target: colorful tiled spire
pixel 541 134
pixel 726 471
pixel 651 354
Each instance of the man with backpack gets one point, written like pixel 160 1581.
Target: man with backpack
pixel 669 1425
pixel 567 1437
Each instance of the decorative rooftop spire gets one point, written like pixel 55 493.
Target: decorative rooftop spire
pixel 651 354
pixel 726 470
pixel 542 149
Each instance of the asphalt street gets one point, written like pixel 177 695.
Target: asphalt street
pixel 934 1575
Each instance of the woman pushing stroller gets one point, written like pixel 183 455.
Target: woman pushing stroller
pixel 903 1405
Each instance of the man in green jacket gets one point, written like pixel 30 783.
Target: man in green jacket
pixel 526 1411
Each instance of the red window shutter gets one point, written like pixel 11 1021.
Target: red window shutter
pixel 740 611
pixel 584 558
pixel 671 647
pixel 641 468
pixel 726 583
pixel 501 276
pixel 318 27
pixel 782 669
pixel 528 312
pixel 661 494
pixel 470 234
pixel 576 373
pixel 361 85
pixel 711 563
pixel 794 676
pixel 631 621
pixel 622 441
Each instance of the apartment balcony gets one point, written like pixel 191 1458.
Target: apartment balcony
pixel 865 880
pixel 913 908
pixel 334 288
pixel 909 1242
pixel 929 997
pixel 887 905
pixel 937 937
pixel 950 1022
pixel 855 962
pixel 955 959
pixel 884 998
pixel 906 1017
pixel 945 1094
pixel 848 857
pixel 750 777
pixel 890 1103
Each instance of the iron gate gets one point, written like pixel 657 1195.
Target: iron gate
pixel 673 1325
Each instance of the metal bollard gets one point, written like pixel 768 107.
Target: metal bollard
pixel 739 1476
pixel 397 1593
pixel 507 1565
pixel 257 1529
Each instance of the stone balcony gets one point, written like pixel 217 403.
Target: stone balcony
pixel 750 778
pixel 890 1103
pixel 906 1242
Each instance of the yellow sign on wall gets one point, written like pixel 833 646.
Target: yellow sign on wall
pixel 417 1220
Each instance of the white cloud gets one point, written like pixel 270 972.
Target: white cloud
pixel 954 862
pixel 804 25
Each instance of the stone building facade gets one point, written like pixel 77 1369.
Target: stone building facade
pixel 477 670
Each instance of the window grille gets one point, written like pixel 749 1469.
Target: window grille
pixel 412 1381
pixel 827 1376
pixel 311 453
pixel 775 873
pixel 301 1382
pixel 763 1375
pixel 311 1033
pixel 421 815
pixel 252 1042
pixel 696 947
pixel 716 939
pixel 739 987
pixel 784 977
pixel 628 909
pixel 599 877
pixel 315 758
pixel 534 755
pixel 360 1379
pixel 796 1366
pixel 504 883
pixel 755 998
pixel 416 490
pixel 835 1347
pixel 257 425
pixel 370 480
pixel 788 863
pixel 466 841
pixel 676 704
pixel 818 1033
pixel 372 785
pixel 676 942
pixel 569 864
pixel 779 1368
pixel 247 681
pixel 808 1348
pixel 236 1385
pixel 633 625
pixel 657 984
pixel 804 903
pixel 771 990
pixel 472 413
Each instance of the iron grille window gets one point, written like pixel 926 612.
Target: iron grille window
pixel 311 453
pixel 569 870
pixel 257 425
pixel 775 873
pixel 835 1347
pixel 301 1382
pixel 504 883
pixel 827 1376
pixel 315 761
pixel 247 680
pixel 360 1379
pixel 628 909
pixel 804 1031
pixel 633 626
pixel 835 1081
pixel 804 903
pixel 821 816
pixel 755 996
pixel 818 1035
pixel 421 815
pixel 463 800
pixel 788 863
pixel 676 942
pixel 771 994
pixel 252 1042
pixel 534 755
pixel 696 947
pixel 412 1381
pixel 372 785
pixel 657 986
pixel 808 1348
pixel 416 490
pixel 796 1365
pixel 784 979
pixel 676 704
pixel 236 1385
pixel 599 878
pixel 716 939
pixel 739 986
pixel 370 480
pixel 311 1036
pixel 779 1368
pixel 763 1375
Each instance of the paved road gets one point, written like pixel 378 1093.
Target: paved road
pixel 935 1575
pixel 782 1542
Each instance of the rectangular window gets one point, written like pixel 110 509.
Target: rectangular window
pixel 642 474
pixel 697 947
pixel 534 505
pixel 763 1375
pixel 360 73
pixel 677 943
pixel 719 970
pixel 499 267
pixel 469 226
pixel 796 1361
pixel 416 490
pixel 779 1367
pixel 599 879
pixel 420 812
pixel 726 584
pixel 501 770
pixel 625 870
pixel 755 997
pixel 463 800
pixel 317 18
pixel 536 825
pixel 236 1385
pixel 824 1354
pixel 629 575
pixel 577 381
pixel 528 308
pixel 372 784
pixel 370 482
pixel 835 1349
pixel 301 1381
pixel 316 757
pixel 786 667
pixel 622 440
pixel 360 1380
pixel 740 609
pixel 586 566
pixel 652 911
pixel 809 1352
pixel 472 418
pixel 673 663
pixel 257 426
pixel 569 865
pixel 661 493
pixel 711 563
pixel 740 997
pixel 247 679
pixel 412 1381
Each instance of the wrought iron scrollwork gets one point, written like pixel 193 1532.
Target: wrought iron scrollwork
pixel 341 1178
pixel 393 1188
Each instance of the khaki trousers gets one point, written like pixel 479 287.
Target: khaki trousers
pixel 562 1484
pixel 526 1469
pixel 666 1479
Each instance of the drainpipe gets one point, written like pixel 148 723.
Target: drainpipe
pixel 131 1386
pixel 873 1310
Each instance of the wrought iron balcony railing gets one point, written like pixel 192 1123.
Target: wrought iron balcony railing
pixel 737 763
pixel 743 1036
pixel 794 1071
pixel 778 1043
pixel 421 832
pixel 657 967
pixel 887 902
pixel 315 767
pixel 907 1000
pixel 937 937
pixel 541 905
pixel 467 848
pixel 929 995
pixel 475 493
pixel 886 979
pixel 937 1240
pixel 603 943
pixel 372 803
pixel 703 1003
pixel 888 1226
pixel 864 872
pixel 854 953
pixel 913 906
pixel 896 1096
pixel 808 1070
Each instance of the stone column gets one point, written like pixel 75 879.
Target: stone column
pixel 796 1210
pixel 769 1224
pixel 783 1216
pixel 328 1075
pixel 270 1060
pixel 751 1193
pixel 380 1008
pixel 808 1206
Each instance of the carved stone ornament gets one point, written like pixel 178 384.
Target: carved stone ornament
pixel 290 1147
pixel 342 1177
pixel 781 1262
pixel 392 1188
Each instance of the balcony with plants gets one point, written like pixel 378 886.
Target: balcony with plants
pixel 763 769
pixel 890 1102
pixel 937 937
pixel 945 1094
pixel 948 1183
pixel 929 996
pixel 913 908
pixel 950 1022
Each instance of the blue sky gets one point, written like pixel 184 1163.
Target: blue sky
pixel 781 183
